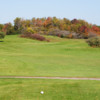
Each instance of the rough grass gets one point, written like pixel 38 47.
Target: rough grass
pixel 29 89
pixel 60 57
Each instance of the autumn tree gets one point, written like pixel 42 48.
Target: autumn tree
pixel 48 22
pixel 95 28
pixel 18 24
pixel 74 21
pixel 45 25
pixel 8 29
pixel 55 22
pixel 1 27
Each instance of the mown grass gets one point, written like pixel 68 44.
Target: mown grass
pixel 29 89
pixel 60 57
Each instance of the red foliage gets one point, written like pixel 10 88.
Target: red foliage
pixel 39 22
pixel 95 28
pixel 47 22
pixel 34 36
pixel 83 29
pixel 5 27
pixel 74 21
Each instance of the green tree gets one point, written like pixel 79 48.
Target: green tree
pixel 1 27
pixel 2 35
pixel 18 24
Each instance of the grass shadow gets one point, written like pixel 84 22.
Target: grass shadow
pixel 1 41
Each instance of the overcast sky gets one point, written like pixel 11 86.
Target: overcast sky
pixel 88 10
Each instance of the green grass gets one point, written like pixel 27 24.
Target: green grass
pixel 29 89
pixel 60 57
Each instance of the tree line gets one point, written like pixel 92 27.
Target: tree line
pixel 75 28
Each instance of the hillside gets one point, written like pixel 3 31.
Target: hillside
pixel 60 57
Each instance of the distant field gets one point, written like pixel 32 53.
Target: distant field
pixel 29 89
pixel 60 57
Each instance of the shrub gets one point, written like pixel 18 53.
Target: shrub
pixel 2 35
pixel 92 34
pixel 94 41
pixel 65 34
pixel 59 33
pixel 11 31
pixel 1 26
pixel 34 36
pixel 37 37
pixel 30 30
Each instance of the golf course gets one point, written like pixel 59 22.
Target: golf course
pixel 49 50
pixel 72 58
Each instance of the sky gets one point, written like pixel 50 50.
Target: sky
pixel 88 10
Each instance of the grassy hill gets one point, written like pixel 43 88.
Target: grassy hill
pixel 60 57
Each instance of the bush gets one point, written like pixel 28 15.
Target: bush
pixel 94 41
pixel 2 35
pixel 59 33
pixel 11 31
pixel 34 36
pixel 65 34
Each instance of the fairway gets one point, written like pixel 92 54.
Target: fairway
pixel 60 57
pixel 29 89
pixel 49 50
